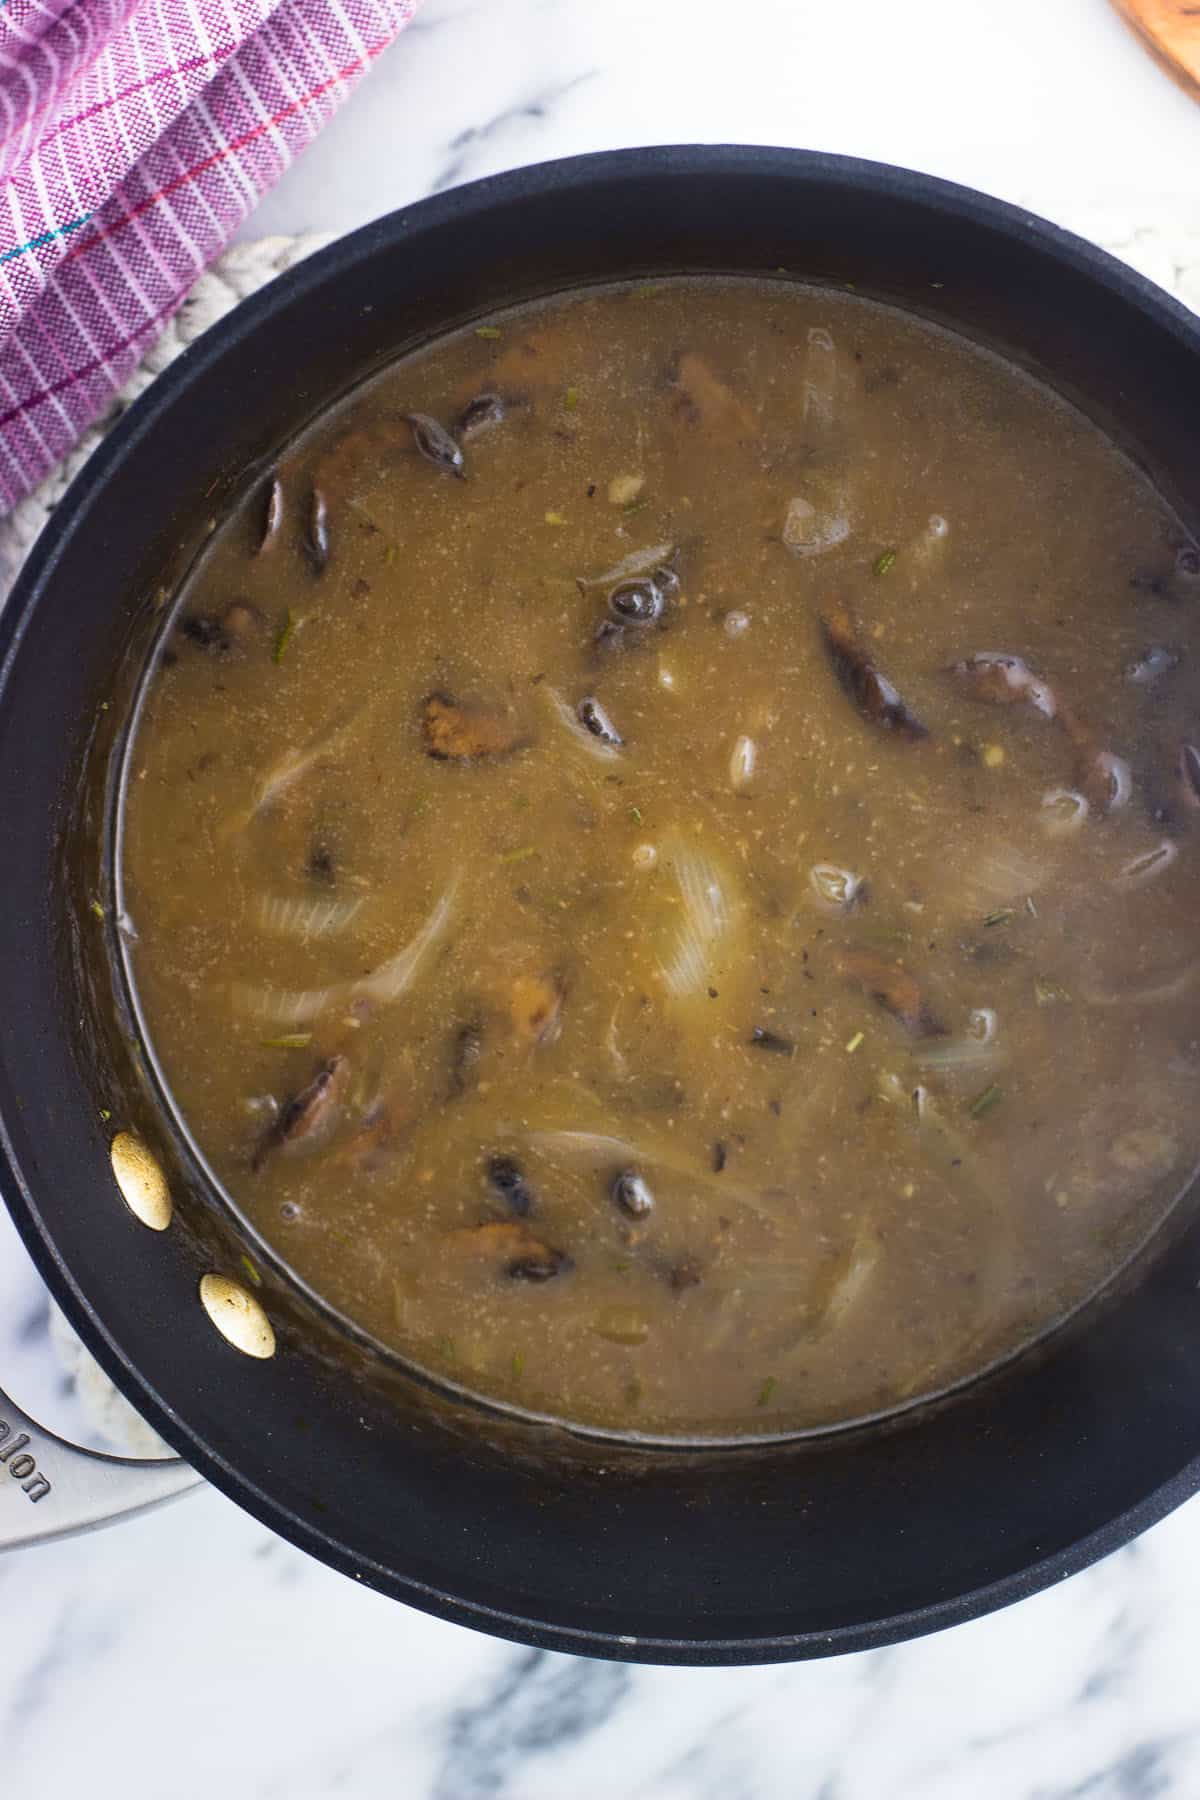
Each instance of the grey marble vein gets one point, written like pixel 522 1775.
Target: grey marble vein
pixel 465 146
pixel 1142 1772
pixel 540 1704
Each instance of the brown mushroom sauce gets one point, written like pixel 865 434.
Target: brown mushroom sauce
pixel 597 901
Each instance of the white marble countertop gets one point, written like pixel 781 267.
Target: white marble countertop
pixel 190 1652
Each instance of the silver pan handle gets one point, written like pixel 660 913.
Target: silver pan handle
pixel 51 1489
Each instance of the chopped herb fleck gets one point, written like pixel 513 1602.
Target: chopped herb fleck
pixel 389 554
pixel 518 1365
pixel 95 907
pixel 984 1102
pixel 1003 916
pixel 1050 993
pixel 636 506
pixel 635 813
pixel 521 802
pixel 646 289
pixel 883 562
pixel 105 1115
pixel 290 1040
pixel 854 1042
pixel 1030 907
pixel 488 332
pixel 521 855
pixel 766 1390
pixel 250 1269
pixel 556 518
pixel 571 399
pixel 286 631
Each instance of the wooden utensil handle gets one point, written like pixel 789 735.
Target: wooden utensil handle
pixel 1170 30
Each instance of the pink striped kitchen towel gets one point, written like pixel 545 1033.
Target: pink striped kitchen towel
pixel 135 136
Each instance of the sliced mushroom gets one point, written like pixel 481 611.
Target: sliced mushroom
pixel 371 1141
pixel 1189 774
pixel 535 1006
pixel 638 601
pixel 455 732
pixel 1154 662
pixel 893 988
pixel 506 1175
pixel 1002 679
pixel 464 1056
pixel 593 718
pixel 480 414
pixel 272 515
pixel 316 531
pixel 308 1113
pixel 511 1246
pixel 862 680
pixel 436 445
pixel 632 1193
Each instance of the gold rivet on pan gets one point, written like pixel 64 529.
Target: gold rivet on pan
pixel 141 1181
pixel 237 1315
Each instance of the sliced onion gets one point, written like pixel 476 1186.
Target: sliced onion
pixel 851 1284
pixel 928 546
pixel 638 562
pixel 597 1146
pixel 281 1006
pixel 982 1024
pixel 948 1054
pixel 595 747
pixel 820 378
pixel 1115 778
pixel 706 917
pixel 998 878
pixel 292 916
pixel 742 760
pixel 1158 990
pixel 1139 871
pixel 604 1152
pixel 298 761
pixel 297 1006
pixel 397 975
pixel 811 531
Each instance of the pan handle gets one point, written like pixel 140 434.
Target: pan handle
pixel 51 1489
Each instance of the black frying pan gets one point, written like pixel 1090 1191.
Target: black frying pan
pixel 735 1556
